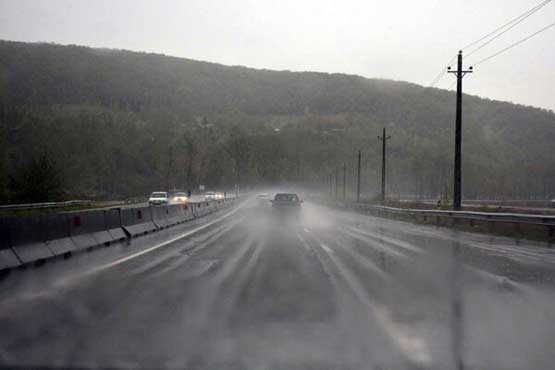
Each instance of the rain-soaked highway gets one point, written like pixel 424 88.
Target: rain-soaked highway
pixel 245 290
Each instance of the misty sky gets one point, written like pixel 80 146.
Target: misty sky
pixel 400 40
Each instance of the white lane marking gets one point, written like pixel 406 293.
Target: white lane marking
pixel 153 263
pixel 326 248
pixel 172 265
pixel 376 244
pixel 358 257
pixel 158 246
pixel 303 242
pixel 396 242
pixel 413 346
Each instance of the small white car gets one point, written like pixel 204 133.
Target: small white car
pixel 210 195
pixel 158 198
pixel 180 198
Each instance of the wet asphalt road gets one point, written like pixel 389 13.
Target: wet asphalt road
pixel 245 289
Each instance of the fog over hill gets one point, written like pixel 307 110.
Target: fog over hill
pixel 120 123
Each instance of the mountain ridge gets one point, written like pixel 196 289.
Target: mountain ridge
pixel 113 51
pixel 47 88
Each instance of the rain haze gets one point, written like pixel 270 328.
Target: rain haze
pixel 277 185
pixel 409 40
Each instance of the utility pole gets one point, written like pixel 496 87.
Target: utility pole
pixel 459 73
pixel 358 177
pixel 384 139
pixel 344 181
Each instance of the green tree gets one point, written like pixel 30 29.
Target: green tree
pixel 39 181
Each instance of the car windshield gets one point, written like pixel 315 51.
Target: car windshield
pixel 287 197
pixel 383 175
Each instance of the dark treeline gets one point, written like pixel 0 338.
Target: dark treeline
pixel 109 123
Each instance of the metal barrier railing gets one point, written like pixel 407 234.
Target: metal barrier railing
pixel 68 203
pixel 543 221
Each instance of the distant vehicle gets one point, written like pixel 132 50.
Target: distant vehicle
pixel 287 208
pixel 210 195
pixel 180 198
pixel 220 195
pixel 286 201
pixel 158 198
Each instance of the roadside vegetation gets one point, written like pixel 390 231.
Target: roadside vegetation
pixel 77 123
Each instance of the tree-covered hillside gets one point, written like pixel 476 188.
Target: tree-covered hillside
pixel 118 123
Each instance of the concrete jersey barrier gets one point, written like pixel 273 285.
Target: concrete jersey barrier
pixel 87 229
pixel 27 237
pixel 33 238
pixel 58 238
pixel 176 214
pixel 8 258
pixel 187 213
pixel 160 216
pixel 137 221
pixel 112 221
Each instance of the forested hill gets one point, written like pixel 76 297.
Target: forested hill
pixel 55 74
pixel 61 100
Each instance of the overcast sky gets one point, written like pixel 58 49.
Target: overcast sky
pixel 400 40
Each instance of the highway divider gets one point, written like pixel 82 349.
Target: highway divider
pixel 8 258
pixel 58 237
pixel 113 225
pixel 88 229
pixel 27 236
pixel 176 214
pixel 32 239
pixel 137 221
pixel 160 216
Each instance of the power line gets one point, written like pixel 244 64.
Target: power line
pixel 514 44
pixel 509 24
pixel 525 14
pixel 442 73
pixel 523 17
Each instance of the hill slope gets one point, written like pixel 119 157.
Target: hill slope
pixel 119 122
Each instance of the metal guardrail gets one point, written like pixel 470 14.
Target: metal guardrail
pixel 133 200
pixel 483 216
pixel 11 207
pixel 520 221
